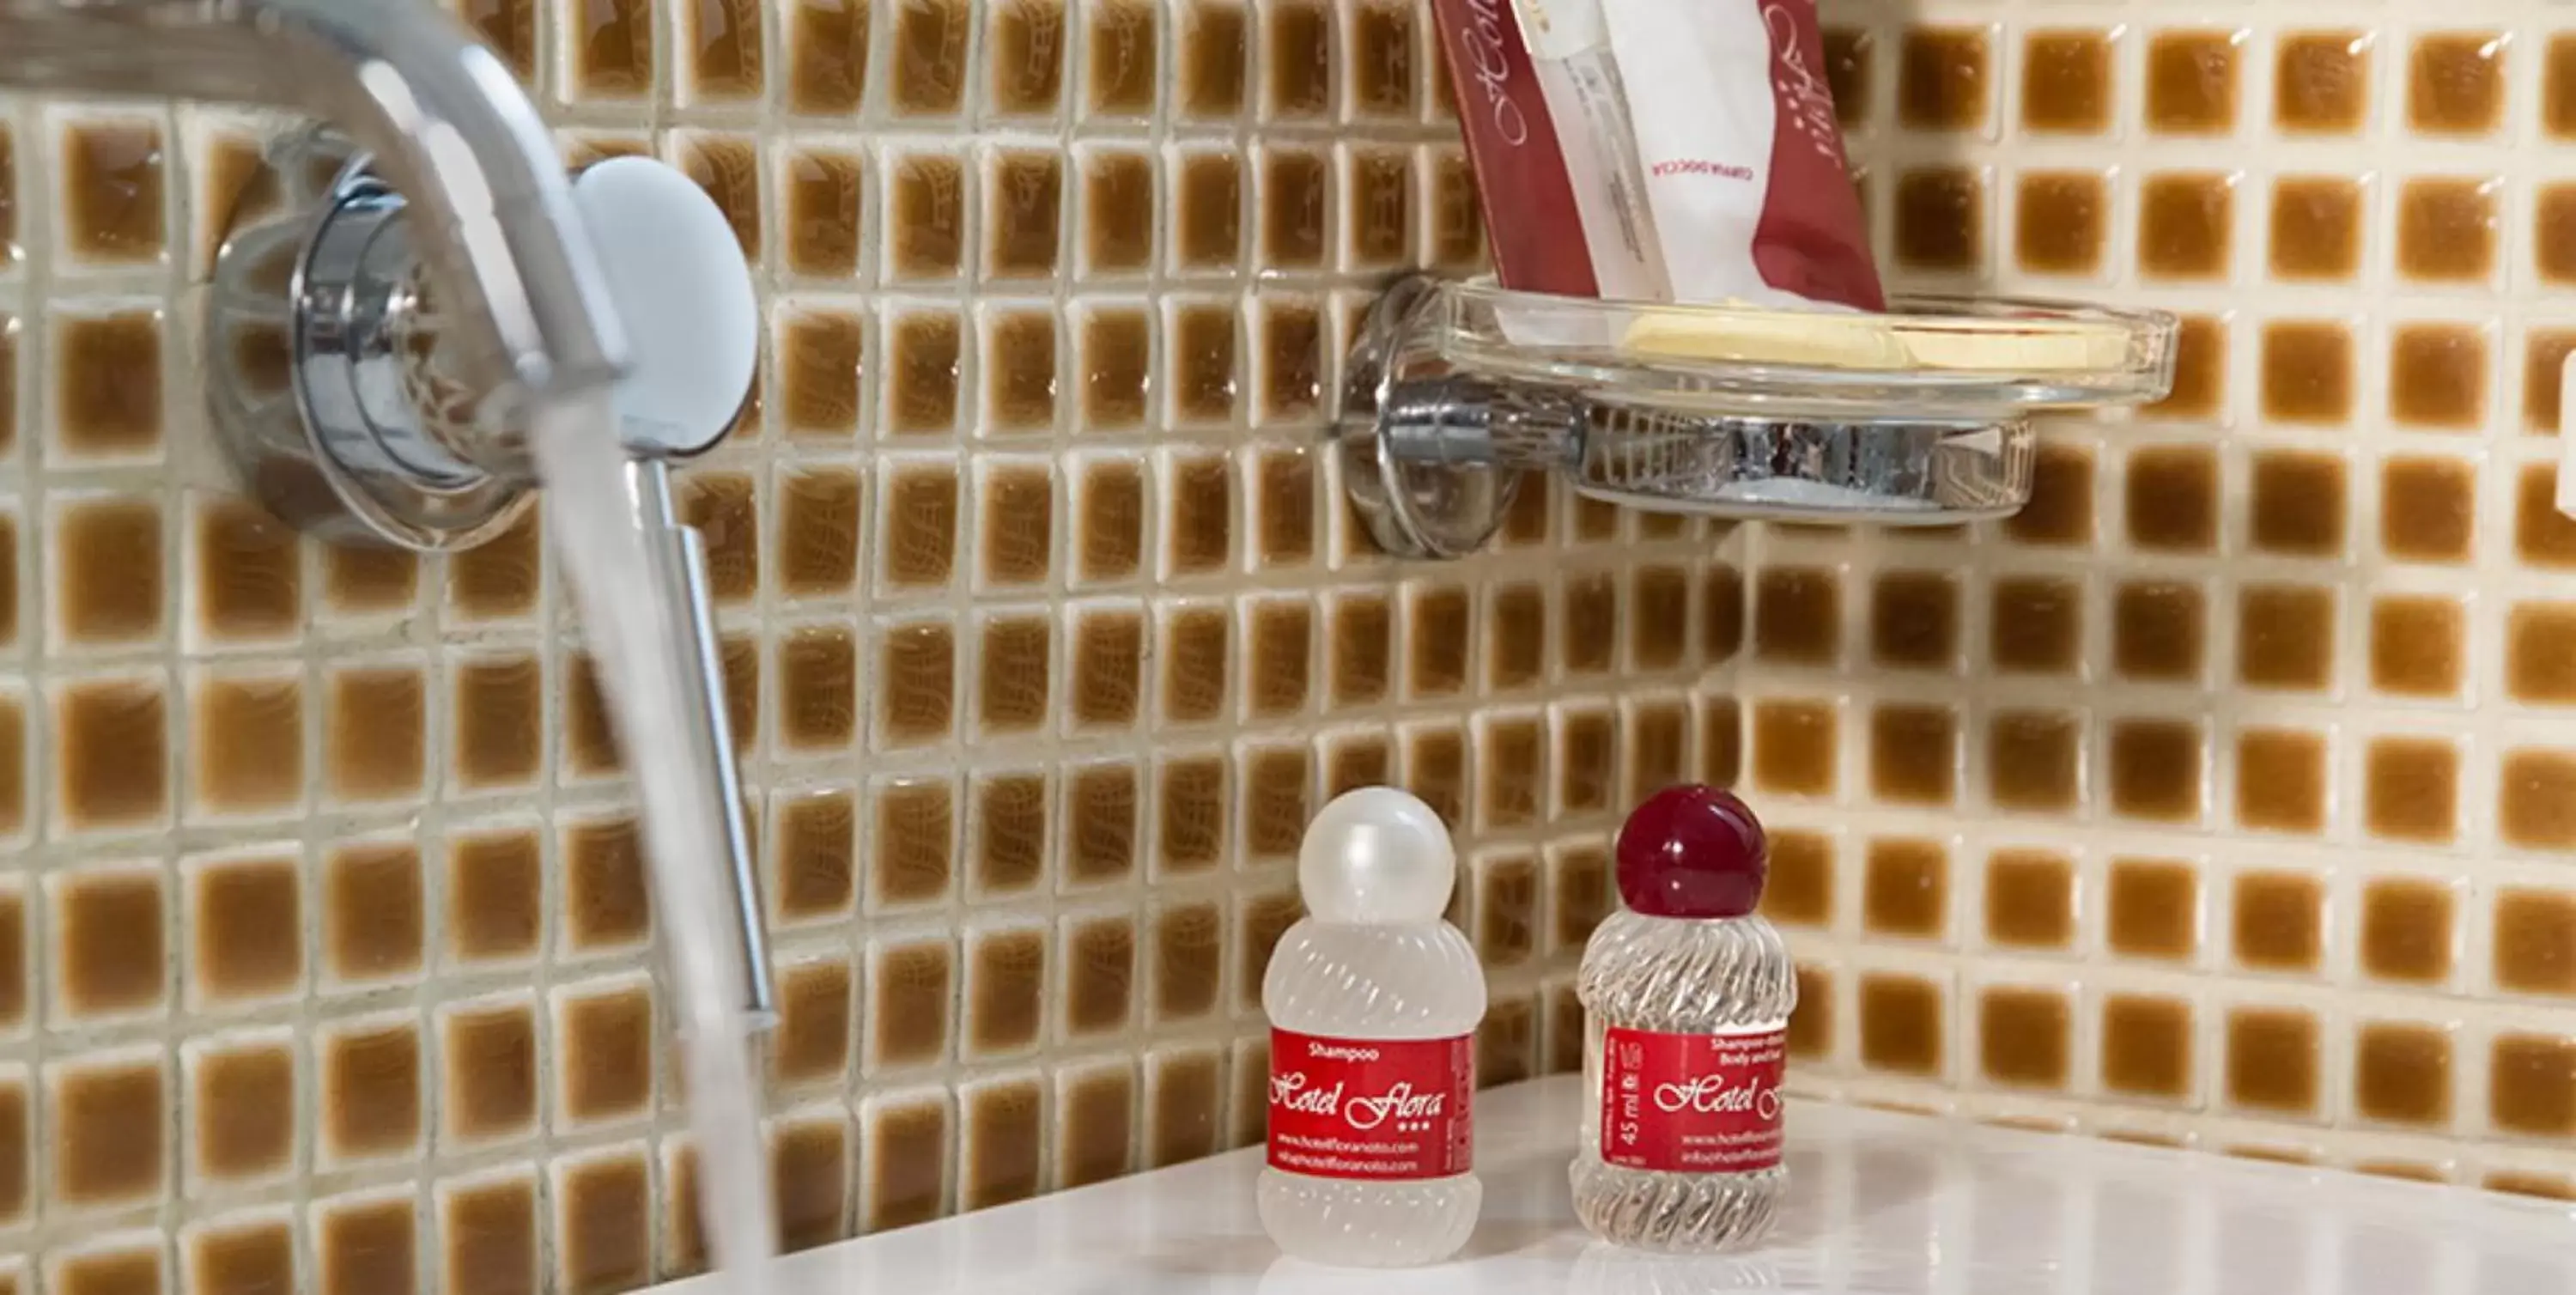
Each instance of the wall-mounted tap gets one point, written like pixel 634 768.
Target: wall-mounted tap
pixel 379 337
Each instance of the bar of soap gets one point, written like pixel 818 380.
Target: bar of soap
pixel 2015 346
pixel 1817 339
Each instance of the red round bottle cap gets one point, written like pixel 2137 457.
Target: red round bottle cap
pixel 1692 851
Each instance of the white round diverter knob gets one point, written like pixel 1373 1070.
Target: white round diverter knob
pixel 684 295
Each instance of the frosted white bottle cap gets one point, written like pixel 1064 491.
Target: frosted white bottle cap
pixel 1376 855
pixel 684 294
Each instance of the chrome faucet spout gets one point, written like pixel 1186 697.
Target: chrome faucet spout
pixel 441 116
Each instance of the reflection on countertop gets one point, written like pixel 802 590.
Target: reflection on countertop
pixel 1882 1203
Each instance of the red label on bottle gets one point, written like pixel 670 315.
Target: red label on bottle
pixel 1692 1103
pixel 1371 1109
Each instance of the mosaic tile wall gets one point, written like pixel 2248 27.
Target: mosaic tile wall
pixel 324 950
pixel 2227 795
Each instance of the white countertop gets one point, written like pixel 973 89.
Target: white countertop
pixel 1880 1203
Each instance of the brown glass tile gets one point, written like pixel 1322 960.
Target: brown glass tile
pixel 9 585
pixel 1118 218
pixel 589 739
pixel 603 1225
pixel 248 743
pixel 1275 801
pixel 1199 521
pixel 2437 376
pixel 2410 789
pixel 2321 82
pixel 1901 1024
pixel 722 507
pixel 373 911
pixel 820 356
pixel 2172 499
pixel 1507 1043
pixel 1941 219
pixel 2030 899
pixel 2036 624
pixel 1259 921
pixel 248 572
pixel 2192 76
pixel 2558 91
pixel 489 1236
pixel 1185 1094
pixel 604 1052
pixel 916 698
pixel 2024 1036
pixel 1020 379
pixel 366 1245
pixel 615 53
pixel 2535 940
pixel 927 211
pixel 1380 60
pixel 812 1041
pixel 2155 769
pixel 1025 214
pixel 1811 1026
pixel 2545 352
pixel 133 1268
pixel 1018 513
pixel 819 690
pixel 1277 652
pixel 1190 831
pixel 999 1154
pixel 1658 737
pixel 2455 83
pixel 1284 489
pixel 1914 619
pixel 1109 524
pixel 498 722
pixel 2533 796
pixel 2279 921
pixel 1187 962
pixel 1360 640
pixel 1024 58
pixel 2147 1045
pixel 14 764
pixel 922 374
pixel 242 1258
pixel 1009 825
pixel 111 184
pixel 727 167
pixel 2298 503
pixel 1207 212
pixel 1099 975
pixel 1212 66
pixel 1587 754
pixel 910 991
pixel 2274 1057
pixel 1905 890
pixel 2153 909
pixel 1800 889
pixel 904 1166
pixel 2285 636
pixel 1794 747
pixel 487 1058
pixel 107 1117
pixel 2308 372
pixel 915 843
pixel 2406 930
pixel 1798 615
pixel 2068 82
pixel 2427 508
pixel 1913 754
pixel 1095 1122
pixel 495 890
pixel 1290 360
pixel 2281 780
pixel 14 973
pixel 2402 1073
pixel 2531 1085
pixel 1297 74
pixel 107 570
pixel 2200 371
pixel 1123 37
pixel 2186 224
pixel 1378 225
pixel 2447 229
pixel 2035 760
pixel 2159 630
pixel 1942 78
pixel 2061 221
pixel 824 223
pixel 1006 980
pixel 1435 770
pixel 246 928
pixel 1102 824
pixel 606 903
pixel 1850 53
pixel 1195 664
pixel 107 384
pixel 2417 645
pixel 1108 651
pixel 111 749
pixel 500 578
pixel 2317 223
pixel 2538 665
pixel 1293 211
pixel 109 946
pixel 1436 637
pixel 370 1089
pixel 1013 676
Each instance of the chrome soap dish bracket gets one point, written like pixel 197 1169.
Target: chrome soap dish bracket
pixel 1918 417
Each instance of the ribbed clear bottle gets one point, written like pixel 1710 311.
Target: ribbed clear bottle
pixel 1692 990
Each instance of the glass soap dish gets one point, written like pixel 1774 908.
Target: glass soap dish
pixel 1917 417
